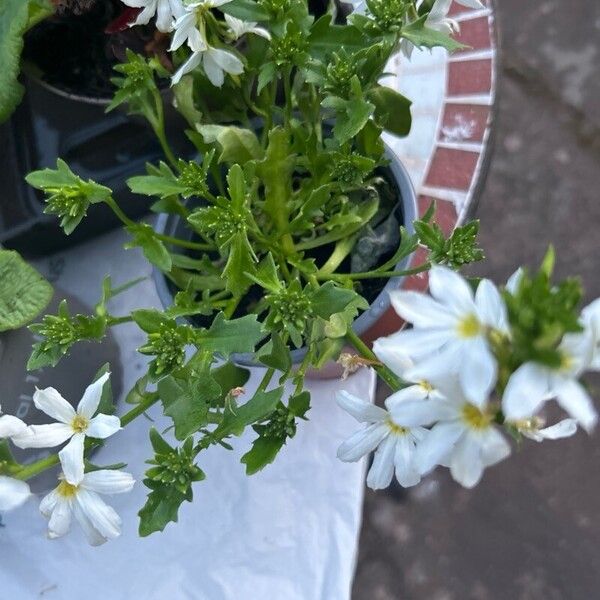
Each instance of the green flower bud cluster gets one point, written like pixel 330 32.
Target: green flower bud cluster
pixel 390 15
pixel 168 346
pixel 352 169
pixel 290 306
pixel 175 469
pixel 281 425
pixel 339 73
pixel 218 223
pixel 287 49
pixel 275 6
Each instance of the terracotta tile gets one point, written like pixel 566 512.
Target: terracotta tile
pixel 469 77
pixel 452 169
pixel 464 123
pixel 475 34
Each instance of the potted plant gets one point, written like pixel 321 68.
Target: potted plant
pixel 273 243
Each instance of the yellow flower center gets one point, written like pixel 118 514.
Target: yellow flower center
pixel 79 424
pixel 426 386
pixel 469 326
pixel 396 429
pixel 566 362
pixel 67 490
pixel 475 418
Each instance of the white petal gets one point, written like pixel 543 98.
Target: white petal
pixel 54 405
pixel 13 493
pixel 494 447
pixel 71 459
pixel 563 429
pixel 103 426
pixel 407 473
pixel 471 3
pixel 102 517
pixel 49 502
pixel 436 446
pixel 451 290
pixel 479 371
pixel 421 310
pixel 144 17
pixel 108 482
pixel 490 306
pixel 439 10
pixel 414 413
pixel 382 470
pixel 527 389
pixel 408 394
pixel 164 18
pixel 399 348
pixel 466 464
pixel 573 398
pixel 362 411
pixel 189 65
pixel 43 436
pixel 362 442
pixel 93 536
pixel 438 366
pixel 11 426
pixel 391 355
pixel 260 32
pixel 88 405
pixel 60 519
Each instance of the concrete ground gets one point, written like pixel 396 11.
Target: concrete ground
pixel 531 529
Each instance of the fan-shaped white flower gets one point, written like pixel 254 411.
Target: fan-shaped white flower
pixel 215 61
pixel 165 10
pixel 532 384
pixel 72 425
pixel 394 433
pixel 464 437
pixel 186 31
pixel 81 499
pixel 238 28
pixel 450 331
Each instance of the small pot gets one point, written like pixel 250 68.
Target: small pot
pixel 171 225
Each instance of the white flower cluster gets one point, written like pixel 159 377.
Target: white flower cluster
pixel 447 417
pixel 187 22
pixel 77 491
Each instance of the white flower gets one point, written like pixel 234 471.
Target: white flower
pixel 165 10
pixel 590 317
pixel 532 384
pixel 13 493
pixel 73 425
pixel 238 28
pixel 450 333
pixel 216 63
pixel 11 427
pixel 80 498
pixel 186 31
pixel 532 429
pixel 395 434
pixel 464 438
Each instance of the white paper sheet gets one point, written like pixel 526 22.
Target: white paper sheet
pixel 288 533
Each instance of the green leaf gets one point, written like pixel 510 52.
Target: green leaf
pixel 240 262
pixel 299 404
pixel 148 320
pixel 276 354
pixel 184 100
pixel 230 376
pixel 325 38
pixel 237 145
pixel 246 10
pixel 330 299
pixel 263 452
pixel 228 336
pixel 186 399
pixel 155 185
pixel 24 293
pixel 392 110
pixel 259 407
pixel 154 249
pixel 161 508
pixel 424 37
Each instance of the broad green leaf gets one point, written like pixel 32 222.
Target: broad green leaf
pixel 276 354
pixel 24 293
pixel 239 263
pixel 246 10
pixel 230 376
pixel 237 145
pixel 263 452
pixel 259 407
pixel 154 249
pixel 184 100
pixel 330 299
pixel 148 320
pixel 392 110
pixel 325 38
pixel 229 336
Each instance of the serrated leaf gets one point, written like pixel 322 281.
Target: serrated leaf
pixel 263 452
pixel 237 145
pixel 392 110
pixel 228 336
pixel 24 293
pixel 424 37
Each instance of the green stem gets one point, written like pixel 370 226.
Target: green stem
pixel 119 320
pixel 341 251
pixel 287 88
pixel 159 129
pixel 266 380
pixel 374 274
pixel 183 243
pixel 386 374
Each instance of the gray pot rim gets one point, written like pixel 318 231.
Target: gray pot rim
pixel 165 224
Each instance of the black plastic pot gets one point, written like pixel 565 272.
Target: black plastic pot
pixel 172 225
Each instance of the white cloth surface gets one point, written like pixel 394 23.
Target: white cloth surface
pixel 288 533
